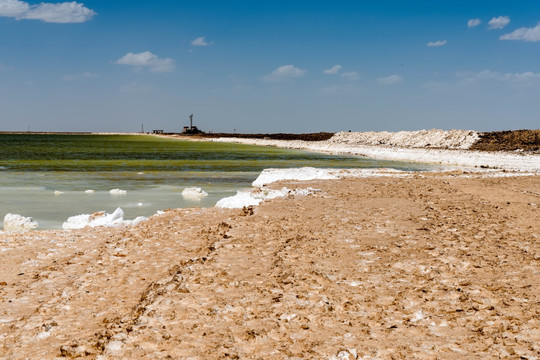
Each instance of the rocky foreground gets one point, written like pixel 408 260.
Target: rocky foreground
pixel 430 266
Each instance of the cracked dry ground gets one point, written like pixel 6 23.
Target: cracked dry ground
pixel 423 267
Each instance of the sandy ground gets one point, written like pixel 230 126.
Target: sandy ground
pixel 435 266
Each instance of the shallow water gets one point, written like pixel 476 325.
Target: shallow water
pixel 152 170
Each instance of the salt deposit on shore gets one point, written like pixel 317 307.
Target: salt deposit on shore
pixel 269 176
pixel 435 138
pixel 400 147
pixel 16 222
pixel 255 197
pixel 100 219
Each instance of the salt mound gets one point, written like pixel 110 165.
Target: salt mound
pixel 16 222
pixel 118 192
pixel 101 218
pixel 268 176
pixel 252 198
pixel 435 138
pixel 194 193
pixel 238 201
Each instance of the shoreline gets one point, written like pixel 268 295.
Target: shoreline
pixel 487 163
pixel 468 159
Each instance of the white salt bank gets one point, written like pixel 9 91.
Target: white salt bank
pixel 16 222
pixel 252 198
pixel 101 218
pixel 269 176
pixel 194 193
pixel 238 201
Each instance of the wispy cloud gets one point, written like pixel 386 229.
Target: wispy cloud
pixel 469 76
pixel 524 33
pixel 473 23
pixel 351 75
pixel 499 22
pixel 333 70
pixel 283 73
pixel 85 75
pixel 66 12
pixel 437 43
pixel 392 79
pixel 147 60
pixel 200 41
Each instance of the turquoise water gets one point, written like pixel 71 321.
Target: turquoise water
pixel 152 170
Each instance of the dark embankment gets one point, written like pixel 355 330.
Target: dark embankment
pixel 320 136
pixel 526 140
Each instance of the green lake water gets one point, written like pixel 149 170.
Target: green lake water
pixel 152 170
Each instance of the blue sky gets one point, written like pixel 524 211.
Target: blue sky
pixel 269 66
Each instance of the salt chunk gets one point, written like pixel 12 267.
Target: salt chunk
pixel 101 218
pixel 238 201
pixel 114 347
pixel 16 222
pixel 247 198
pixel 417 316
pixel 118 192
pixel 194 193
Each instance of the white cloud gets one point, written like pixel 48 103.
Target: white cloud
pixel 473 23
pixel 437 43
pixel 392 79
pixel 352 75
pixel 468 76
pixel 525 34
pixel 13 8
pixel 147 59
pixel 499 22
pixel 333 70
pixel 200 41
pixel 66 12
pixel 284 72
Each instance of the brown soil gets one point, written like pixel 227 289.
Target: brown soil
pixel 320 136
pixel 526 140
pixel 427 267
